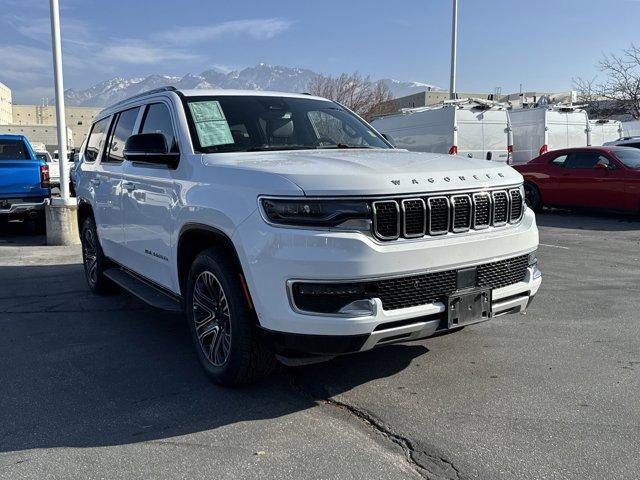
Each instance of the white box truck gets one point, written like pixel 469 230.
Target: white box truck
pixel 631 128
pixel 540 129
pixel 468 127
pixel 603 131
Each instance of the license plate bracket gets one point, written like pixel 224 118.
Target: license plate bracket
pixel 468 307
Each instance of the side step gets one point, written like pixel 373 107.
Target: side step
pixel 146 292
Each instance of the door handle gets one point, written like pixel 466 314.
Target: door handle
pixel 94 182
pixel 129 186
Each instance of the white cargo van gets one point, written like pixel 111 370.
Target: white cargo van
pixel 540 129
pixel 603 131
pixel 631 128
pixel 469 127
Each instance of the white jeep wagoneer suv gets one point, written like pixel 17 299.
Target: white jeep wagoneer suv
pixel 285 227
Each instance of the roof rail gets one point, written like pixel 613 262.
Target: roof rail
pixel 169 88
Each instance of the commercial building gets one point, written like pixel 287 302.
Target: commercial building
pixel 5 105
pixel 78 118
pixel 40 134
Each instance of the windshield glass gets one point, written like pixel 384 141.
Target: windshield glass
pixel 630 157
pixel 262 123
pixel 13 150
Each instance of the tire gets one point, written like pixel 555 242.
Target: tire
pixel 532 197
pixel 222 325
pixel 93 259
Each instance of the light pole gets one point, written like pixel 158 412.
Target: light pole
pixel 59 90
pixel 454 48
pixel 62 223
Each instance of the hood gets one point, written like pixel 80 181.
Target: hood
pixel 371 172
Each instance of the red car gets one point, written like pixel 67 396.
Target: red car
pixel 602 177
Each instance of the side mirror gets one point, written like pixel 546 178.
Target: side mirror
pixel 603 166
pixel 149 148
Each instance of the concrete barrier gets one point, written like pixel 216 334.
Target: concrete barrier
pixel 62 225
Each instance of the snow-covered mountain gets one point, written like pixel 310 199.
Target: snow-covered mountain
pixel 260 77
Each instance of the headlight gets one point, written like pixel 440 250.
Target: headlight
pixel 314 213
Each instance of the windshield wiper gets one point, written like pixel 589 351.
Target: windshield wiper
pixel 265 148
pixel 344 145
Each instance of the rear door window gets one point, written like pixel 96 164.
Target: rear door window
pixel 96 139
pixel 583 160
pixel 122 130
pixel 13 150
pixel 157 119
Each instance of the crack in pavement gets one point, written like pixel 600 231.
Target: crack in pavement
pixel 426 462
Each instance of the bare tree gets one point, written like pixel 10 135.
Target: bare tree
pixel 619 93
pixel 354 91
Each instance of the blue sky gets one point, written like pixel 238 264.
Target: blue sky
pixel 542 44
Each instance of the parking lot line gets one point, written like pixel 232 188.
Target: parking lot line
pixel 553 246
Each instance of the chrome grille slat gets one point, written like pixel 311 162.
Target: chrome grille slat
pixel 438 223
pixel 517 208
pixel 414 217
pixel 481 210
pixel 500 208
pixel 460 213
pixel 386 219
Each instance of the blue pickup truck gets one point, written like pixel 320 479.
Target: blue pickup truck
pixel 24 180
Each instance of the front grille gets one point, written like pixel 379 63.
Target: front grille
pixel 503 273
pixel 461 213
pixel 416 290
pixel 386 219
pixel 516 205
pixel 405 292
pixel 442 214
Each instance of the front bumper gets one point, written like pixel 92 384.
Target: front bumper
pixel 272 256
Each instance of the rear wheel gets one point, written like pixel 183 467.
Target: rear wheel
pixel 532 197
pixel 95 263
pixel 223 326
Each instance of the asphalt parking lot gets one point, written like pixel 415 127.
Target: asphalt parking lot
pixel 105 387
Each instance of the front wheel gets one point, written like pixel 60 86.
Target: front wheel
pixel 222 324
pixel 532 197
pixel 93 259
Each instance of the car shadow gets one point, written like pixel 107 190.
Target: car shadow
pixel 20 233
pixel 80 370
pixel 583 219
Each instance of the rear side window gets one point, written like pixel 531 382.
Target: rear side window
pixel 13 150
pixel 123 129
pixel 96 139
pixel 559 161
pixel 157 119
pixel 634 145
pixel 584 160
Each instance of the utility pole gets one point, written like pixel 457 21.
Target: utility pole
pixel 59 90
pixel 61 218
pixel 454 49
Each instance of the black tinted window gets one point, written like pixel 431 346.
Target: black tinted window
pixel 583 160
pixel 157 119
pixel 122 131
pixel 13 150
pixel 96 139
pixel 559 161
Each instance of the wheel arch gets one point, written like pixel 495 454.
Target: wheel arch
pixel 195 238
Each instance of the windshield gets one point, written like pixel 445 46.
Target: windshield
pixel 13 150
pixel 262 123
pixel 630 157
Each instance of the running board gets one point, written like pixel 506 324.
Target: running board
pixel 146 292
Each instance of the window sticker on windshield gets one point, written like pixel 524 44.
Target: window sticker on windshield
pixel 211 125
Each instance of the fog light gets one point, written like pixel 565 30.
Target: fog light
pixel 360 308
pixel 533 258
pixel 536 273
